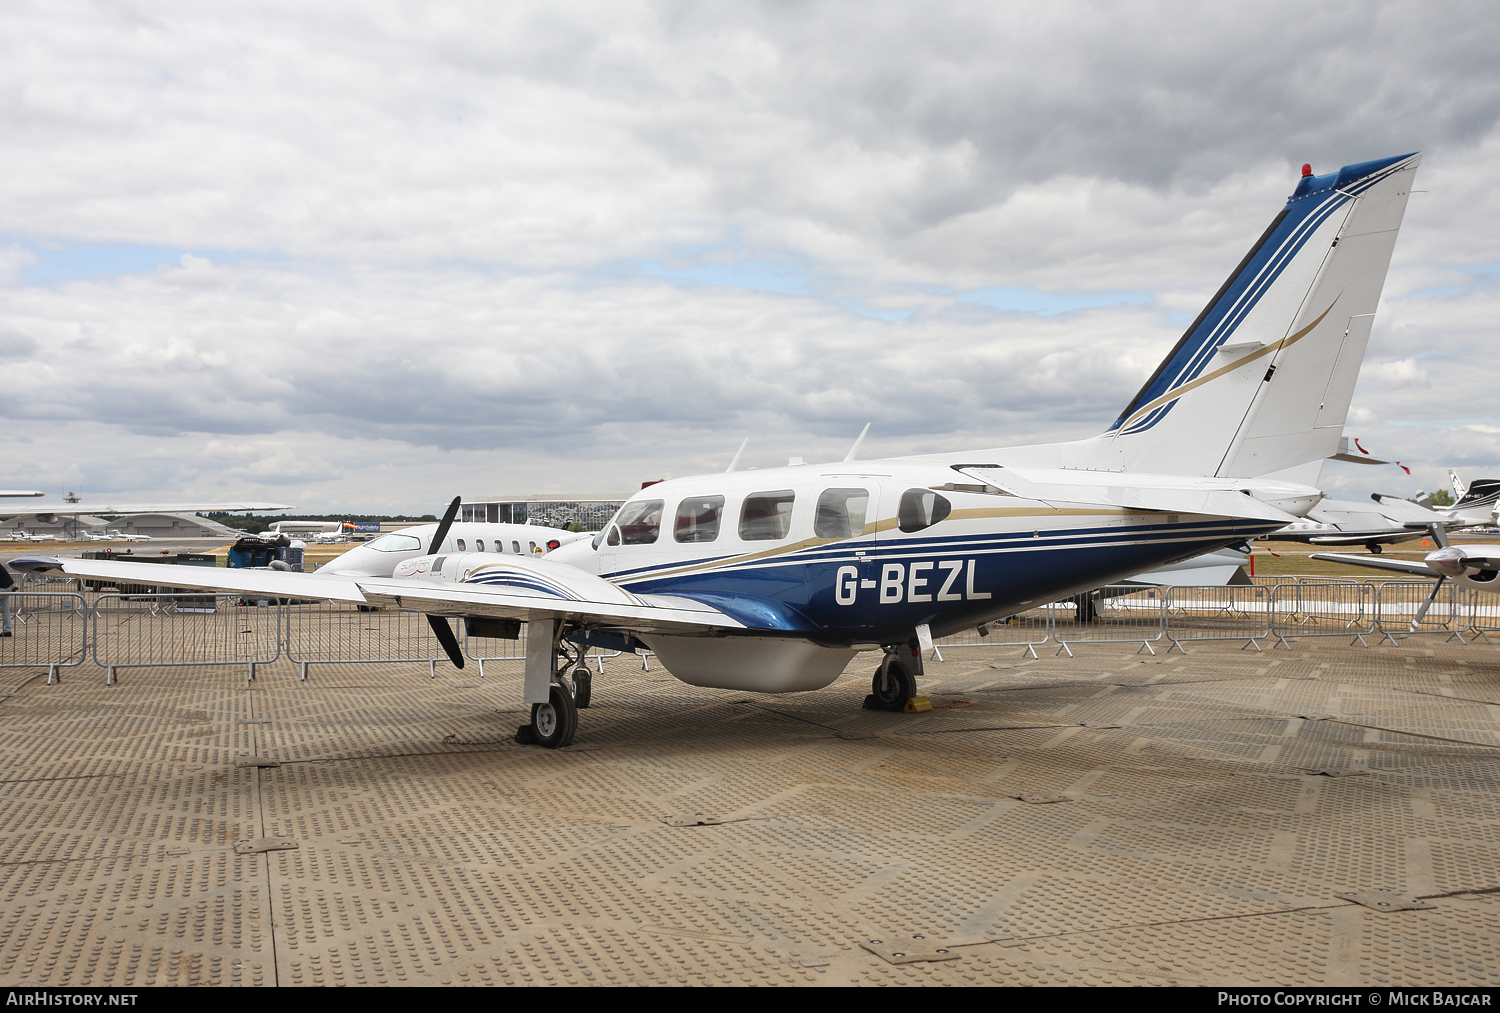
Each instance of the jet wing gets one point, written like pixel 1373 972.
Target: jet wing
pixel 1218 498
pixel 1411 567
pixel 1385 536
pixel 609 607
pixel 75 509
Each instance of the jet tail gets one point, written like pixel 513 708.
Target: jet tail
pixel 1261 381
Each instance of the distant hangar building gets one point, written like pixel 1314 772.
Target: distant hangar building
pixel 556 510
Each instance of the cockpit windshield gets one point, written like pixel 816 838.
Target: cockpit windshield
pixel 395 542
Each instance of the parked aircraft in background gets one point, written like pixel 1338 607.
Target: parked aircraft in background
pixel 1474 505
pixel 773 580
pixel 1472 566
pixel 380 556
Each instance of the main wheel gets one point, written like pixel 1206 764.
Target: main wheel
pixel 893 685
pixel 554 723
pixel 583 686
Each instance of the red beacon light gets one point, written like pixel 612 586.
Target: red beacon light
pixel 552 543
pixel 1306 169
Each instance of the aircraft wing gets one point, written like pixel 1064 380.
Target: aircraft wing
pixel 105 507
pixel 1411 567
pixel 606 606
pixel 277 583
pixel 661 614
pixel 1133 492
pixel 1385 536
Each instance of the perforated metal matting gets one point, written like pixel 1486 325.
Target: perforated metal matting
pixel 405 838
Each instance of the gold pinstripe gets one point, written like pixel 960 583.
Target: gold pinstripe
pixel 1177 392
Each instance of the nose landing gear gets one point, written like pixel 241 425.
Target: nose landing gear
pixel 893 685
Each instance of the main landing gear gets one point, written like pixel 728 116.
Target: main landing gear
pixel 554 723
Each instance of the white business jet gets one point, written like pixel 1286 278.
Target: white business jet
pixel 773 580
pixel 379 557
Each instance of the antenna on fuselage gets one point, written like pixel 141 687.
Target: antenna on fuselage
pixel 855 449
pixel 736 462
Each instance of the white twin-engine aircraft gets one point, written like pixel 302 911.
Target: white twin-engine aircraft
pixel 773 580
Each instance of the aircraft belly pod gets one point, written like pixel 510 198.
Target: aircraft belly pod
pixel 772 580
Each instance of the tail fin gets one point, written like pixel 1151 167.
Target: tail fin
pixel 1262 379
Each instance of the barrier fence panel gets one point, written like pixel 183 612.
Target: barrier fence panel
pixel 1218 613
pixel 46 582
pixel 1484 613
pixel 48 629
pixel 1398 602
pixel 482 649
pixel 1118 614
pixel 324 633
pixel 1028 630
pixel 1324 609
pixel 174 630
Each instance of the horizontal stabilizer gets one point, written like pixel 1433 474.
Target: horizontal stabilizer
pixel 1157 493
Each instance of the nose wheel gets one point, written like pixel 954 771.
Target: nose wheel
pixel 554 723
pixel 892 686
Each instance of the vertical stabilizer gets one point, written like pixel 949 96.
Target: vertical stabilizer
pixel 1261 381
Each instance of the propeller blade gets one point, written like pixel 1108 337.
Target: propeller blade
pixel 444 633
pixel 1422 611
pixel 444 525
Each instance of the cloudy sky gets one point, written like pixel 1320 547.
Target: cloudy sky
pixel 365 257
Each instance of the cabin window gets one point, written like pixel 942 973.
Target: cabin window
pixel 921 508
pixel 460 543
pixel 841 513
pixel 395 543
pixel 766 515
pixel 698 519
pixel 640 522
pixel 515 547
pixel 533 547
pixel 479 545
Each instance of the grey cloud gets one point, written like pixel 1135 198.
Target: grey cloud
pixel 436 199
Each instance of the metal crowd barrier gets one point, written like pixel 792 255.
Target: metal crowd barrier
pixel 322 633
pixel 46 582
pixel 1218 613
pixel 1030 630
pixel 1118 614
pixel 495 648
pixel 1325 609
pixel 179 629
pixel 182 629
pixel 1484 614
pixel 1451 613
pixel 48 629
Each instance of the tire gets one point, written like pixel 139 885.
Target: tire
pixel 893 685
pixel 554 723
pixel 583 687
